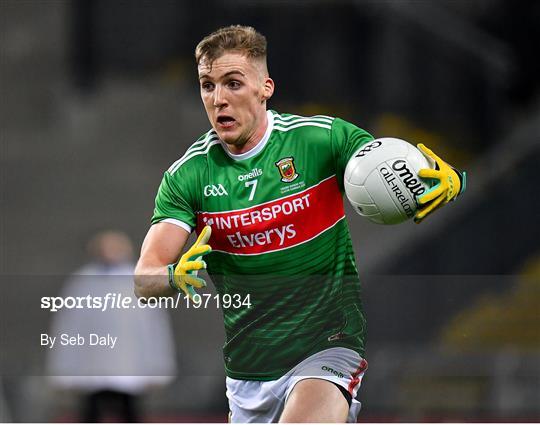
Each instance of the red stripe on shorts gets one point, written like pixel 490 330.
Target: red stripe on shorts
pixel 354 377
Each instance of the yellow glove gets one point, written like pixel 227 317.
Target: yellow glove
pixel 183 275
pixel 450 184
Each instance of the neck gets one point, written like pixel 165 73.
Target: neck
pixel 253 140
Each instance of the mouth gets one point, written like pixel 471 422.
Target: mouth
pixel 225 121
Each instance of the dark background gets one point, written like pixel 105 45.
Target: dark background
pixel 98 98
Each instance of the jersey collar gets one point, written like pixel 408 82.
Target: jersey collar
pixel 258 147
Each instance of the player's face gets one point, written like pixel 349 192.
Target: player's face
pixel 234 90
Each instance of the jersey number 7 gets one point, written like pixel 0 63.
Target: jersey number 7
pixel 253 184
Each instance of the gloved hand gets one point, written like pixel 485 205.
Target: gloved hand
pixel 450 184
pixel 183 275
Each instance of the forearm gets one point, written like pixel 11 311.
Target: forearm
pixel 159 271
pixel 162 246
pixel 152 281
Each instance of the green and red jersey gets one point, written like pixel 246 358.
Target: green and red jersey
pixel 279 234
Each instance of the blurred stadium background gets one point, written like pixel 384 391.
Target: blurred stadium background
pixel 99 97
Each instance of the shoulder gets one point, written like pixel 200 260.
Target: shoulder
pixel 196 154
pixel 344 130
pixel 284 122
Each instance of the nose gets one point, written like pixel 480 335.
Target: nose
pixel 219 98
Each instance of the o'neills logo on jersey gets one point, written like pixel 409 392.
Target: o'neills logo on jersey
pixel 287 170
pixel 276 225
pixel 256 172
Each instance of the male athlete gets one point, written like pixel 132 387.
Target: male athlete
pixel 266 191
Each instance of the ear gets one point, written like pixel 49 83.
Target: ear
pixel 268 89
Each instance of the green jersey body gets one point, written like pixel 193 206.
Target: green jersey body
pixel 279 234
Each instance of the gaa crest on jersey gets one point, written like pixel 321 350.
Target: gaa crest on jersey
pixel 215 190
pixel 287 169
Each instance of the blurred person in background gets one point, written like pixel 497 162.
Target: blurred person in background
pixel 110 380
pixel 297 352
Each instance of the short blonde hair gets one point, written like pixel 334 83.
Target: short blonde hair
pixel 234 38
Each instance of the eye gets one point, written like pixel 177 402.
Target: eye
pixel 234 84
pixel 207 86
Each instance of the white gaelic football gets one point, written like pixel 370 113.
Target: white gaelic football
pixel 381 180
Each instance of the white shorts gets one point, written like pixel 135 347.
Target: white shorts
pixel 263 401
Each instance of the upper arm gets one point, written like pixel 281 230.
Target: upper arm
pixel 346 139
pixel 176 199
pixel 177 196
pixel 162 245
